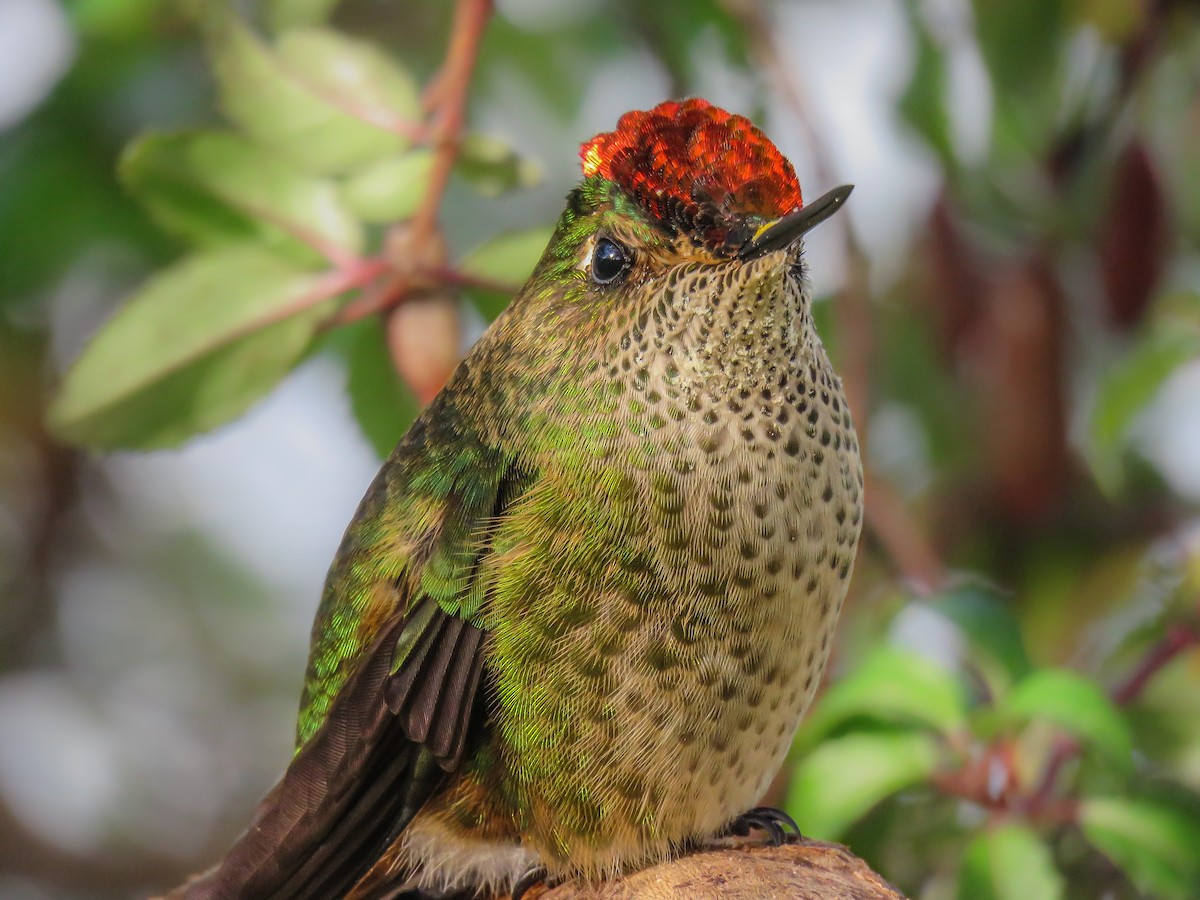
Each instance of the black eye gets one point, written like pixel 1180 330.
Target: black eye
pixel 610 261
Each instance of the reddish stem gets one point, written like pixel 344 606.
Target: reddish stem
pixel 908 546
pixel 376 298
pixel 446 99
pixel 1179 637
pixel 453 82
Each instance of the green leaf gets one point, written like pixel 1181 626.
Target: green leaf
pixel 216 188
pixel 924 102
pixel 556 65
pixel 843 778
pixel 1127 390
pixel 114 18
pixel 1020 41
pixel 989 626
pixel 894 686
pixel 1009 863
pixel 492 167
pixel 1076 704
pixel 327 102
pixel 1117 21
pixel 192 350
pixel 507 259
pixel 389 190
pixel 382 404
pixel 1153 842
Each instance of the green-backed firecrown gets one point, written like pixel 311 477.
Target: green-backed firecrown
pixel 580 612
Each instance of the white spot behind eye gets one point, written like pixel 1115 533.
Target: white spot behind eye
pixel 585 264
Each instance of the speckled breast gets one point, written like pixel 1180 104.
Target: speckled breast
pixel 680 588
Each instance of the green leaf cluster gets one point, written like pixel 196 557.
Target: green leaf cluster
pixel 900 729
pixel 285 211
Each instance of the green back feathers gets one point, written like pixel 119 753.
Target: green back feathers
pixel 418 533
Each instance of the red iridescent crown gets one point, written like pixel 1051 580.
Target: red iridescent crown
pixel 697 169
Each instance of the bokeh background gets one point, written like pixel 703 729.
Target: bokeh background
pixel 1013 298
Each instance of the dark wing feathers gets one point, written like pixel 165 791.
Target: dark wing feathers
pixel 461 681
pixel 397 726
pixel 351 790
pixel 422 701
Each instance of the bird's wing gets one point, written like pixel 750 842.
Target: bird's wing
pixel 397 693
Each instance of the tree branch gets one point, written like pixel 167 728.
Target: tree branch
pixel 806 870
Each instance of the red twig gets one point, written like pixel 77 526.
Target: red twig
pixel 1041 801
pixel 338 281
pixel 1179 637
pixel 421 267
pixel 452 84
pixel 376 298
pixel 907 546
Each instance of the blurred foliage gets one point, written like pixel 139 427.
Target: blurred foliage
pixel 1039 741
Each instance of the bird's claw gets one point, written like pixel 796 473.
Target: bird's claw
pixel 779 826
pixel 533 877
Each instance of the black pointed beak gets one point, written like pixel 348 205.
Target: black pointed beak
pixel 786 231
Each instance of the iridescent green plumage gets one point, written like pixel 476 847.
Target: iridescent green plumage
pixel 581 610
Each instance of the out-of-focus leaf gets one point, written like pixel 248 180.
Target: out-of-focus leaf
pixel 507 258
pixel 1020 40
pixel 558 64
pixel 923 104
pixel 389 190
pixel 382 404
pixel 115 18
pixel 216 188
pixel 492 167
pixel 673 29
pixel 56 198
pixel 893 686
pixel 1009 863
pixel 285 14
pixel 988 625
pixel 325 101
pixel 1154 843
pixel 844 777
pixel 1127 389
pixel 1134 242
pixel 1076 704
pixel 1116 20
pixel 193 349
pixel 352 75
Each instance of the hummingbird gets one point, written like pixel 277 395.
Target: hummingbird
pixel 581 610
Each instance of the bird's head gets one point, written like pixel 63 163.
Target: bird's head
pixel 686 229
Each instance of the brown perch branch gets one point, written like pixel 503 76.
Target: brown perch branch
pixel 806 870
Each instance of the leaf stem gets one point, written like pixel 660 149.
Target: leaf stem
pixel 1179 637
pixel 453 83
pixel 1041 802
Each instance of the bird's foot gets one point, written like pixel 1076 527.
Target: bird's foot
pixel 535 876
pixel 779 826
